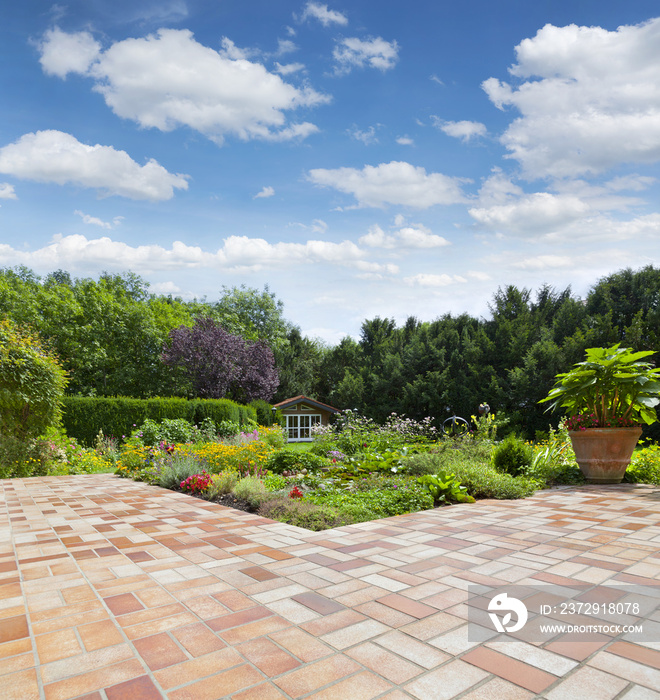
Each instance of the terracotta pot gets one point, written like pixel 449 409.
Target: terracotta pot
pixel 603 454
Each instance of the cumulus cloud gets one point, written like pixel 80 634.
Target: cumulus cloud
pixel 265 192
pixel 57 157
pixel 398 183
pixel 405 141
pixel 168 80
pixel 589 99
pixel 531 215
pixel 415 236
pixel 315 10
pixel 238 253
pixel 463 130
pixel 372 53
pixel 63 53
pixel 7 191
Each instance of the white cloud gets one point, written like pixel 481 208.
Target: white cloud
pixel 405 141
pixel 463 130
pixel 415 236
pixel 589 99
pixel 367 137
pixel 397 183
pixel 377 238
pixel 56 157
pixel 289 68
pixel 92 220
pixel 545 262
pixel 63 53
pixel 169 80
pixel 265 192
pixel 168 288
pixel 7 191
pixel 285 46
pixel 429 280
pixel 419 236
pixel 532 215
pixel 373 53
pixel 498 189
pixel 237 253
pixel 315 10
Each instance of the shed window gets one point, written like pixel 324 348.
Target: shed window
pixel 299 428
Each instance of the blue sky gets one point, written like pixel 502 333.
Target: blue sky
pixel 364 158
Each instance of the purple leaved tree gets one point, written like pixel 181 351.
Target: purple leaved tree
pixel 221 365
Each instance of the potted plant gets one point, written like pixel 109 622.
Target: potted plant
pixel 608 397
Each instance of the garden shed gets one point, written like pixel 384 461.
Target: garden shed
pixel 301 413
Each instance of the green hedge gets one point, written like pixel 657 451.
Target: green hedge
pixel 84 416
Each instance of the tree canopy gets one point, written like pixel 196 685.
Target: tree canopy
pixel 110 334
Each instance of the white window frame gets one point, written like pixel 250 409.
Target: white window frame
pixel 299 427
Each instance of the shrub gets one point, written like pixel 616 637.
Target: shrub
pixel 228 428
pixel 250 489
pixel 476 474
pixel 177 469
pixel 512 456
pixel 645 466
pixel 222 484
pixel 294 461
pixel 303 514
pixel 32 384
pixel 170 430
pixel 84 416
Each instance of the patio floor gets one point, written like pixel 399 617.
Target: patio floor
pixel 113 589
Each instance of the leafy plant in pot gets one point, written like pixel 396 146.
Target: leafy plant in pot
pixel 608 397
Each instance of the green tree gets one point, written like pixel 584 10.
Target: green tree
pixel 32 385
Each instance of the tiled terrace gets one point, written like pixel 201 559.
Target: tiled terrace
pixel 112 589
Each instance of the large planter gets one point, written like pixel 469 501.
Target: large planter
pixel 603 454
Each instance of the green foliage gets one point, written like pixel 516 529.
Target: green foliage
pixel 303 514
pixel 222 483
pixel 177 469
pixel 553 461
pixel 274 482
pixel 445 488
pixel 471 465
pixel 170 431
pixel 512 456
pixel 613 384
pixel 227 428
pixel 32 384
pixel 266 416
pixel 84 416
pixel 294 461
pixel 645 465
pixel 381 498
pixel 250 489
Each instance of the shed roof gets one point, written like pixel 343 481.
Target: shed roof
pixel 289 403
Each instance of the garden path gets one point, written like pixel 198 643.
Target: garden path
pixel 111 589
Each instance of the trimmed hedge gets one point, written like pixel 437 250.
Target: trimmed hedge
pixel 266 415
pixel 84 416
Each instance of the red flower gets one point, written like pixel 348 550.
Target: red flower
pixel 295 493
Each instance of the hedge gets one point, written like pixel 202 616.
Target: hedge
pixel 84 416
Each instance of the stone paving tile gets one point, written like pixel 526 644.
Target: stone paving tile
pixel 111 589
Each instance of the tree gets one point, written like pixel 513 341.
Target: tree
pixel 32 384
pixel 252 314
pixel 218 364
